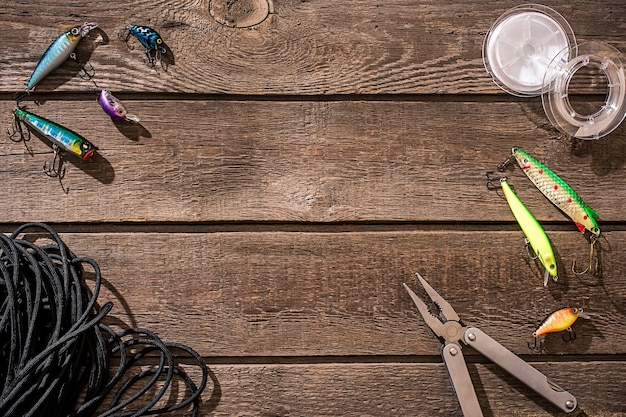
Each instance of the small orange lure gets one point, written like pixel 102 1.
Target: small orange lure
pixel 559 321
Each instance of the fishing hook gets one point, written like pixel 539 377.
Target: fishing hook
pixel 491 181
pixel 535 347
pixel 593 269
pixel 531 257
pixel 17 130
pixel 56 169
pixel 124 36
pixel 87 71
pixel 571 336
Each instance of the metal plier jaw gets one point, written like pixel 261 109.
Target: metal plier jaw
pixel 448 326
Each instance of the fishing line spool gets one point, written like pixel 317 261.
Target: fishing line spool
pixel 531 50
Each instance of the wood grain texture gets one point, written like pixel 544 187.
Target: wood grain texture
pixel 287 177
pixel 303 161
pixel 400 390
pixel 303 47
pixel 270 294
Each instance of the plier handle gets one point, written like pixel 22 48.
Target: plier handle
pixel 448 326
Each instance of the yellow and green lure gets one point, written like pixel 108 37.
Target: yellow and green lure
pixel 535 235
pixel 558 192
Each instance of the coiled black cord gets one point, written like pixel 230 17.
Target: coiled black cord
pixel 57 358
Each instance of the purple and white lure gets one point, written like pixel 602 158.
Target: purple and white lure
pixel 114 108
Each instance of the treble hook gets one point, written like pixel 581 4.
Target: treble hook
pixel 571 336
pixel 491 180
pixel 17 130
pixel 536 347
pixel 124 36
pixel 87 71
pixel 594 270
pixel 56 169
pixel 528 252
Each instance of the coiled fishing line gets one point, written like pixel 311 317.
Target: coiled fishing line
pixel 57 358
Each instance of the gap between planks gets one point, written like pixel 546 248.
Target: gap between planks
pixel 303 227
pixel 458 98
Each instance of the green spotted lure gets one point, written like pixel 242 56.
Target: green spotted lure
pixel 535 235
pixel 557 191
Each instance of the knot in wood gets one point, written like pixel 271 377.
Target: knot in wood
pixel 240 13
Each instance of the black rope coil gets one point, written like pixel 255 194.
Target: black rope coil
pixel 57 358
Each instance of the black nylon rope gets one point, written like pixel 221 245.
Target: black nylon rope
pixel 57 358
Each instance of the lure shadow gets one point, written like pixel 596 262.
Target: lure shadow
pixel 97 166
pixel 159 58
pixel 167 58
pixel 607 155
pixel 132 130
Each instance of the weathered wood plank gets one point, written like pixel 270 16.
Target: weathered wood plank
pixel 303 47
pixel 402 390
pixel 336 294
pixel 303 161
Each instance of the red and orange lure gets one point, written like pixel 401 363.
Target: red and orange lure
pixel 558 321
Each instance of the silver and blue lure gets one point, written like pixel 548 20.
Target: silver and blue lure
pixel 149 38
pixel 58 52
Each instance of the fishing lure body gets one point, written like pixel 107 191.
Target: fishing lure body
pixel 558 192
pixel 535 234
pixel 60 136
pixel 114 107
pixel 148 37
pixel 58 52
pixel 559 321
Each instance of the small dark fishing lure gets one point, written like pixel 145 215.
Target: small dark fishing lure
pixel 114 107
pixel 149 38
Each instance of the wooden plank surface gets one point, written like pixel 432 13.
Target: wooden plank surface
pixel 304 161
pixel 400 389
pixel 339 294
pixel 287 177
pixel 304 47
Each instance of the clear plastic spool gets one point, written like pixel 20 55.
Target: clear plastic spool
pixel 521 44
pixel 556 97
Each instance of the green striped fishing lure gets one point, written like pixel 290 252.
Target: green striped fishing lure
pixel 535 235
pixel 60 136
pixel 558 192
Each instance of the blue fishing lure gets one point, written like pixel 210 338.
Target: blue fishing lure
pixel 58 52
pixel 149 38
